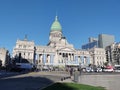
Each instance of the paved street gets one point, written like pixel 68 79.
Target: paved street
pixel 39 80
pixel 29 81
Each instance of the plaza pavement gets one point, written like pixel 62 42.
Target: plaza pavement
pixel 109 81
pixel 38 80
pixel 29 81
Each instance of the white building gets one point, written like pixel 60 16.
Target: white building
pixel 24 49
pixel 4 56
pixel 113 53
pixel 58 51
pixel 98 56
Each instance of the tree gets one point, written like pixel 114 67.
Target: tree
pixel 0 63
pixel 106 63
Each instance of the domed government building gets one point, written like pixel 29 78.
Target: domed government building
pixel 58 52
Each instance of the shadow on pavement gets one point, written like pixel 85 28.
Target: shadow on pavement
pixel 24 83
pixel 9 74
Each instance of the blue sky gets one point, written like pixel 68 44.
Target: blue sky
pixel 80 19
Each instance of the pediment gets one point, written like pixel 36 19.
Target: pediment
pixel 67 50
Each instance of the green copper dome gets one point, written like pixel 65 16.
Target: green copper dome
pixel 56 25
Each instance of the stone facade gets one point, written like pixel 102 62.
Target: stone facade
pixel 113 53
pixel 98 56
pixel 4 56
pixel 24 49
pixel 58 52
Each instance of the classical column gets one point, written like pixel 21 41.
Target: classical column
pixel 88 58
pixel 60 57
pixel 63 57
pixel 79 59
pixel 51 59
pixel 68 56
pixel 42 59
pixel 48 59
pixel 85 60
pixel 38 57
pixel 82 59
pixel 72 57
pixel 76 59
pixel 45 57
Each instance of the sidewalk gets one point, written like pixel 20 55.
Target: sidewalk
pixel 110 82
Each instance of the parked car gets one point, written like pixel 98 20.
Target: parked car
pixel 99 70
pixel 89 69
pixel 23 67
pixel 108 69
pixel 45 68
pixel 117 68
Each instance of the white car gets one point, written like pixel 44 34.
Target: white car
pixel 88 69
pixel 108 70
pixel 99 69
pixel 116 70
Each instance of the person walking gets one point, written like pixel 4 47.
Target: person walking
pixel 71 72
